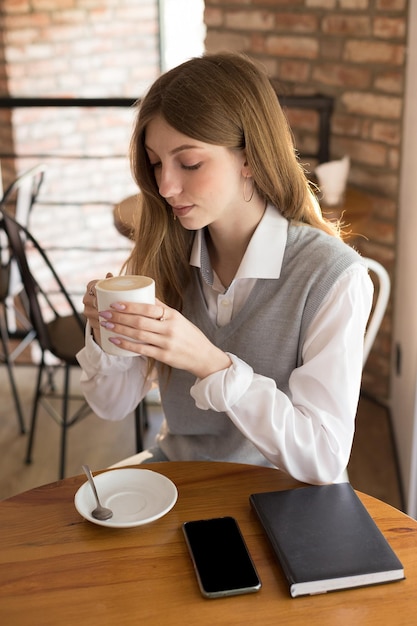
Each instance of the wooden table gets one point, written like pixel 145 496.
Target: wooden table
pixel 356 211
pixel 58 569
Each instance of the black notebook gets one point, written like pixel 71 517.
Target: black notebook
pixel 325 539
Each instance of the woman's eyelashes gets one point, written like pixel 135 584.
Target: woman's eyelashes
pixel 184 166
pixel 196 166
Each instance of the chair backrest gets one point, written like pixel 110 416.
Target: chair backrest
pixel 22 193
pixel 18 201
pixel 41 306
pixel 383 288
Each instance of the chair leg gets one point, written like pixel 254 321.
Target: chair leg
pixel 9 365
pixel 34 413
pixel 64 426
pixel 141 422
pixel 145 413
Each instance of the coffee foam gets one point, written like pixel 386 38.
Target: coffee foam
pixel 124 283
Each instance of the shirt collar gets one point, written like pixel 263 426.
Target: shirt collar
pixel 263 256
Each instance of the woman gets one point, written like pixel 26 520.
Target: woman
pixel 256 337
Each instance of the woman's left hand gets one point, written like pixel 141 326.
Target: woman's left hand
pixel 165 335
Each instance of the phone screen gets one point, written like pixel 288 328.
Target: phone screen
pixel 220 557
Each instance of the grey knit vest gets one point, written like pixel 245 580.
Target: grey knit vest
pixel 268 333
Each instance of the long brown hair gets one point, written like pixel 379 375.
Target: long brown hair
pixel 227 100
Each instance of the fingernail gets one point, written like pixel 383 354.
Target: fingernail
pixel 106 314
pixel 108 325
pixel 119 306
pixel 115 340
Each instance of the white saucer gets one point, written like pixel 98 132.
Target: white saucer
pixel 136 497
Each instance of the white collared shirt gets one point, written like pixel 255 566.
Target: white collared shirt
pixel 310 434
pixel 327 396
pixel 262 259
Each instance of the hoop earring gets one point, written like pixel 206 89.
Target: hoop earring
pixel 246 199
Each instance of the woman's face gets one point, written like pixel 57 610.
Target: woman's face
pixel 203 183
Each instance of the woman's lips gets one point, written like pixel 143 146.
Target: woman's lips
pixel 181 211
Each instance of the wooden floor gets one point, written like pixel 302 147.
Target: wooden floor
pixel 99 443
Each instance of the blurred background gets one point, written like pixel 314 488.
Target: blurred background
pixel 94 59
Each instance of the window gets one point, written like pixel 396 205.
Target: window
pixel 182 31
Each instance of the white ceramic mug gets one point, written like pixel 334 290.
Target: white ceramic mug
pixel 122 289
pixel 332 178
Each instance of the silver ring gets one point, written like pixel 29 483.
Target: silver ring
pixel 91 292
pixel 162 318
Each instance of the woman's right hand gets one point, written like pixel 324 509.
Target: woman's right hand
pixel 90 308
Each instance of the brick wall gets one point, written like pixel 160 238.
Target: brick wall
pixel 355 51
pixel 75 48
pixel 84 48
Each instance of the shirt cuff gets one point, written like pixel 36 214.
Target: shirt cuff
pixel 93 359
pixel 223 389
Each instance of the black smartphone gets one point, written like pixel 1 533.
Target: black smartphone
pixel 220 557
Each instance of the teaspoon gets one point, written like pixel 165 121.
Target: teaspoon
pixel 100 512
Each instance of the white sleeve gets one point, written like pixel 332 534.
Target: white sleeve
pixel 112 385
pixel 309 434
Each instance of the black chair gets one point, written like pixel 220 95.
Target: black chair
pixel 18 200
pixel 8 355
pixel 58 333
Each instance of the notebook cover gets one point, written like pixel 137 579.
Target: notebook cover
pixel 325 539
